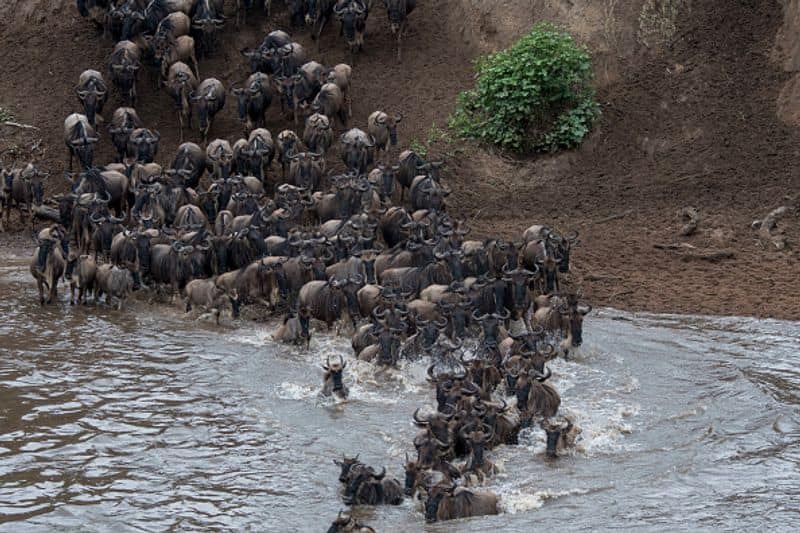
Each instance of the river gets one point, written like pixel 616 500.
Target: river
pixel 144 420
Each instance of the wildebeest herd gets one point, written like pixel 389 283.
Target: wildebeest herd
pixel 372 248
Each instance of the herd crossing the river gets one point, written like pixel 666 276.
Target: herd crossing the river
pixel 261 222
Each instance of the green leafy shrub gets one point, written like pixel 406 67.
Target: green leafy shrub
pixel 535 96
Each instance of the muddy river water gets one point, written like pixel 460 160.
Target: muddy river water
pixel 143 420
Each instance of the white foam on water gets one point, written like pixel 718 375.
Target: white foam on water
pixel 513 501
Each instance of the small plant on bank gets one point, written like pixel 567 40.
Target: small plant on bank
pixel 6 115
pixel 535 96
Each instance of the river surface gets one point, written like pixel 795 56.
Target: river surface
pixel 144 420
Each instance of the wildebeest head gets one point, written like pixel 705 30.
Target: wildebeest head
pixel 436 494
pixel 437 423
pixel 255 57
pixel 346 464
pixel 524 384
pixel 490 323
pixel 397 11
pixel 34 180
pixel 359 475
pixel 390 123
pixel 556 428
pixel 346 523
pixel 574 317
pixel 206 105
pixel 132 21
pixel 518 282
pixel 145 144
pixel 353 16
pixel 92 96
pixel 333 371
pixel 83 146
pixel 564 245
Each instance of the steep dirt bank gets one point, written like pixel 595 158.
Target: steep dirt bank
pixel 690 118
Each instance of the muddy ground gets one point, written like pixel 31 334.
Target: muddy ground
pixel 697 115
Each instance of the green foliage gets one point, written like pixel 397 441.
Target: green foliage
pixel 6 115
pixel 534 96
pixel 436 137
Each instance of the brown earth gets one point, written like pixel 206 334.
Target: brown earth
pixel 699 104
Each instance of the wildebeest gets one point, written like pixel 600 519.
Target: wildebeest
pixel 288 144
pixel 242 6
pixel 92 92
pixel 358 150
pixel 319 14
pixel 447 502
pixel 124 65
pixel 189 164
pixel 332 380
pixel 562 432
pixel 253 101
pixel 209 99
pixel 207 20
pixel 318 135
pixel 348 524
pixel 114 282
pixel 181 83
pixel 341 75
pixel 23 188
pixel 300 88
pixel 80 138
pixel 81 271
pixel 330 102
pixel 329 301
pixel 563 317
pixel 258 153
pixel 383 128
pixel 219 158
pixel 123 122
pixel 105 227
pixel 295 329
pixel 365 486
pixel 132 247
pixel 179 50
pixel 47 267
pixel 398 11
pixel 207 295
pixel 306 170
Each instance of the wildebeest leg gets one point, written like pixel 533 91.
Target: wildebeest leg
pixel 53 295
pixel 40 286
